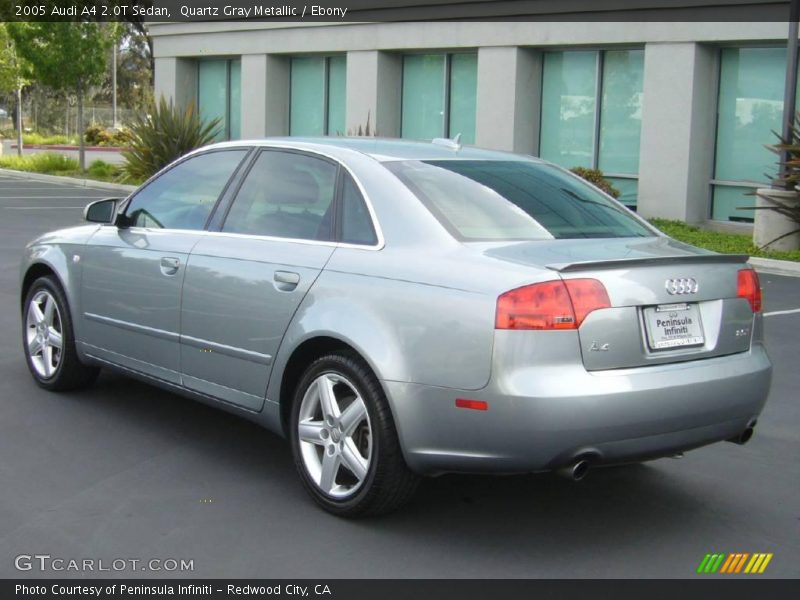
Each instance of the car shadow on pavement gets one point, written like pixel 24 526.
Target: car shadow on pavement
pixel 507 514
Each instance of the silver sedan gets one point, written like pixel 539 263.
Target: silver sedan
pixel 399 309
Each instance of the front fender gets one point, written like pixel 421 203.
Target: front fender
pixel 56 252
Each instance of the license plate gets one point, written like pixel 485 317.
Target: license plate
pixel 673 326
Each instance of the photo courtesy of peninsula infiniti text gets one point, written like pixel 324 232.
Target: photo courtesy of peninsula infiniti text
pixel 403 309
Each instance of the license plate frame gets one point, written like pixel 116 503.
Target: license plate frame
pixel 673 326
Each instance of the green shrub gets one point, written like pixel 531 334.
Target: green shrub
pixel 92 134
pixel 45 162
pixel 719 241
pixel 99 136
pixel 596 178
pixel 103 170
pixel 167 133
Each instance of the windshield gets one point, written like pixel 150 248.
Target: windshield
pixel 487 200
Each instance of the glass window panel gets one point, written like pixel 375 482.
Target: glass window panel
pixel 750 108
pixel 505 200
pixel 621 111
pixel 423 96
pixel 568 108
pixel 212 89
pixel 306 115
pixel 463 92
pixel 285 195
pixel 727 200
pixel 236 100
pixel 628 190
pixel 356 221
pixel 182 198
pixel 337 94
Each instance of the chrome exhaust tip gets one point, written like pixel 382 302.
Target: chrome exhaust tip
pixel 743 437
pixel 576 471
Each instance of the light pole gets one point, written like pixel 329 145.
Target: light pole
pixel 19 119
pixel 114 87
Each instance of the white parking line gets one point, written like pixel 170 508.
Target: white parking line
pixel 782 312
pixel 39 207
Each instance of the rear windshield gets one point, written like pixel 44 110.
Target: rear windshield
pixel 485 200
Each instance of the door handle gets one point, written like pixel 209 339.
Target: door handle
pixel 170 265
pixel 286 281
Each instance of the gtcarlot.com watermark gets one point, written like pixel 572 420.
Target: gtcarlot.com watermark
pixel 48 563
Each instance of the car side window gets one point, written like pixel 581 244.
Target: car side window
pixel 287 195
pixel 356 227
pixel 183 197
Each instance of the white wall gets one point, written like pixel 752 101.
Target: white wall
pixel 678 124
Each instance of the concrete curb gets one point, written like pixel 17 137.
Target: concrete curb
pixel 775 267
pixel 90 183
pixel 70 148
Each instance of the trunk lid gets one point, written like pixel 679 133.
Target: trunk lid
pixel 670 302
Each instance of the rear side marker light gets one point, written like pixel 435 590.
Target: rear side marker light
pixel 472 404
pixel 558 304
pixel 748 287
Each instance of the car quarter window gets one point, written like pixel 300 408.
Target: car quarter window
pixel 356 225
pixel 287 195
pixel 183 197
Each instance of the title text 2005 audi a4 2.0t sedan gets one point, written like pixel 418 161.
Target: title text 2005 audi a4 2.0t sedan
pixel 401 309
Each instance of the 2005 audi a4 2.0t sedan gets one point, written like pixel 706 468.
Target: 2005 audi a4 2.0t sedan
pixel 399 309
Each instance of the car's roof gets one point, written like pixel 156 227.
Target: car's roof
pixel 384 149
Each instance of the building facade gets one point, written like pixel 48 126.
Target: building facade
pixel 676 114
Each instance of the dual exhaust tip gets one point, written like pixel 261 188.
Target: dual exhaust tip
pixel 575 471
pixel 580 468
pixel 744 436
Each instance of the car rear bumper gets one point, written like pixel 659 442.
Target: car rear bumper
pixel 546 416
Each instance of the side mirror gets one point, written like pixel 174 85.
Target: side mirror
pixel 101 211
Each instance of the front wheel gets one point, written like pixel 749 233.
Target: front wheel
pixel 49 341
pixel 344 441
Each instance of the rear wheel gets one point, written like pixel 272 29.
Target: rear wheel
pixel 344 441
pixel 49 341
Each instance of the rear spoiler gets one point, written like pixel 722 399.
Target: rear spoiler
pixel 621 263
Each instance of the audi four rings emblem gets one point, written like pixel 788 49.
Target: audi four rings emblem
pixel 683 285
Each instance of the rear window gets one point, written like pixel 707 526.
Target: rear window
pixel 485 200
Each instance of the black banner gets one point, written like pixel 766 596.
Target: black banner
pixel 395 10
pixel 408 589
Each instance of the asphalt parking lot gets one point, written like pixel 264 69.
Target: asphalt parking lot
pixel 125 470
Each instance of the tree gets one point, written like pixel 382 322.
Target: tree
pixel 70 57
pixel 12 78
pixel 134 72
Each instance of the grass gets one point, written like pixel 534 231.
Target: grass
pixel 726 243
pixel 44 162
pixel 48 140
pixel 52 163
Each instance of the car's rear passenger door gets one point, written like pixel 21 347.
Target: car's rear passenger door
pixel 245 281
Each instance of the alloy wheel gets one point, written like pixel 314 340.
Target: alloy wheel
pixel 335 435
pixel 44 334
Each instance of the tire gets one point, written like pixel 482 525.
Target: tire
pixel 46 324
pixel 374 481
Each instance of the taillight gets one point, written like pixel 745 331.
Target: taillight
pixel 550 305
pixel 748 286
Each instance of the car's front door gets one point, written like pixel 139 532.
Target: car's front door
pixel 133 271
pixel 244 283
